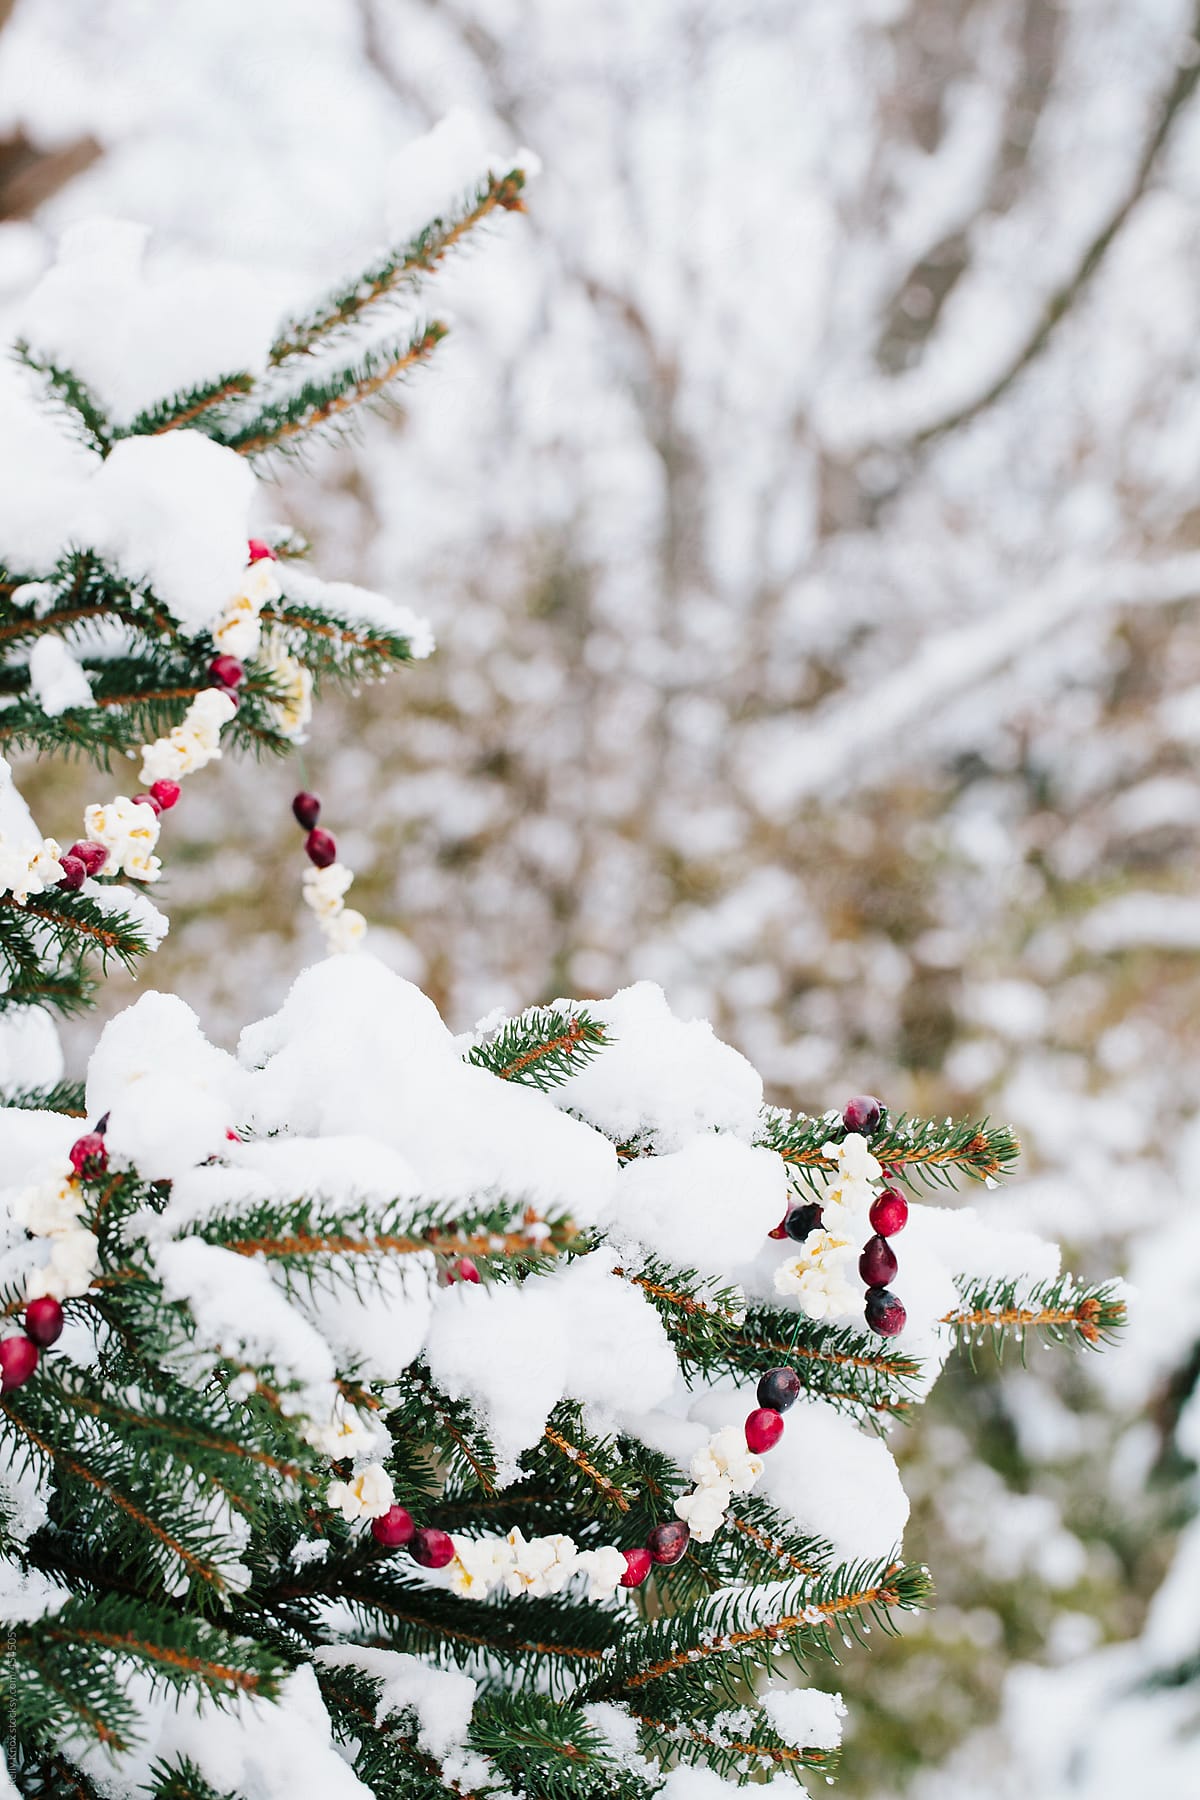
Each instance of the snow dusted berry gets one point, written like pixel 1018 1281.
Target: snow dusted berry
pixel 464 1270
pixel 393 1528
pixel 44 1321
pixel 877 1265
pixel 884 1312
pixel 764 1428
pixel 74 873
pixel 668 1542
pixel 889 1213
pixel 258 550
pixel 779 1389
pixel 432 1548
pixel 18 1360
pixel 166 793
pixel 306 809
pixel 227 670
pixel 801 1220
pixel 321 848
pixel 638 1564
pixel 88 1155
pixel 862 1114
pixel 148 800
pixel 93 856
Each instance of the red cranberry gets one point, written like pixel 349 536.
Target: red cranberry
pixel 779 1389
pixel 321 848
pixel 801 1220
pixel 227 670
pixel 44 1321
pixel 306 809
pixel 148 800
pixel 92 856
pixel 18 1360
pixel 884 1312
pixel 780 1230
pixel 877 1265
pixel 392 1528
pixel 74 873
pixel 764 1428
pixel 432 1548
pixel 258 550
pixel 638 1564
pixel 464 1270
pixel 889 1213
pixel 862 1114
pixel 668 1542
pixel 88 1155
pixel 166 793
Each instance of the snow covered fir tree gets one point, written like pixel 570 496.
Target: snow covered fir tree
pixel 387 1412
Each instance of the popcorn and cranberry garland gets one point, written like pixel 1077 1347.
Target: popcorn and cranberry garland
pixel 55 1211
pixel 328 881
pixel 821 1275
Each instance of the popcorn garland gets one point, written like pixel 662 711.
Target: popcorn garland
pixel 328 881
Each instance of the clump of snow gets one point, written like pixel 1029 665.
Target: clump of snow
pixel 806 1718
pixel 31 1054
pixel 707 1206
pixel 173 511
pixel 660 1077
pixel 358 606
pixel 240 1312
pixel 441 1700
pixel 688 1783
pixel 44 473
pixel 56 681
pixel 435 172
pixel 171 1096
pixel 135 335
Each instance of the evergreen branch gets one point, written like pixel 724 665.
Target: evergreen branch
pixel 325 399
pixel 1058 1309
pixel 929 1150
pixel 608 1489
pixel 64 1097
pixel 74 915
pixel 836 1364
pixel 185 408
pixel 179 1650
pixel 424 1405
pixel 332 646
pixel 540 1047
pixel 73 396
pixel 180 1779
pixel 724 1754
pixel 401 268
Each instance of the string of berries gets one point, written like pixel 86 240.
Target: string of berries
pixel 328 881
pixel 54 1211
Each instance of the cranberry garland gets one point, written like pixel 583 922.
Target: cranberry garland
pixel 883 1310
pixel 19 1354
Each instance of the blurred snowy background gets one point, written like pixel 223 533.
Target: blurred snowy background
pixel 808 506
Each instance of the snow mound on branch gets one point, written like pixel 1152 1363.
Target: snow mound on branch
pixel 56 680
pixel 171 1096
pixel 707 1206
pixel 44 473
pixel 689 1783
pixel 31 1054
pixel 659 1077
pixel 358 606
pixel 441 1699
pixel 240 1312
pixel 806 1718
pixel 431 175
pixel 355 1048
pixel 514 1353
pixel 135 336
pixel 173 511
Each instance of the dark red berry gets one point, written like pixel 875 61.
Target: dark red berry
pixel 74 873
pixel 227 670
pixel 44 1321
pixel 464 1270
pixel 18 1360
pixel 92 856
pixel 889 1213
pixel 88 1155
pixel 148 800
pixel 780 1230
pixel 779 1389
pixel 432 1548
pixel 877 1265
pixel 258 550
pixel 638 1564
pixel 306 809
pixel 321 848
pixel 764 1428
pixel 668 1542
pixel 884 1312
pixel 862 1114
pixel 393 1528
pixel 166 793
pixel 801 1220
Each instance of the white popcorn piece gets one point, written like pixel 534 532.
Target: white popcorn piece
pixel 819 1277
pixel 367 1495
